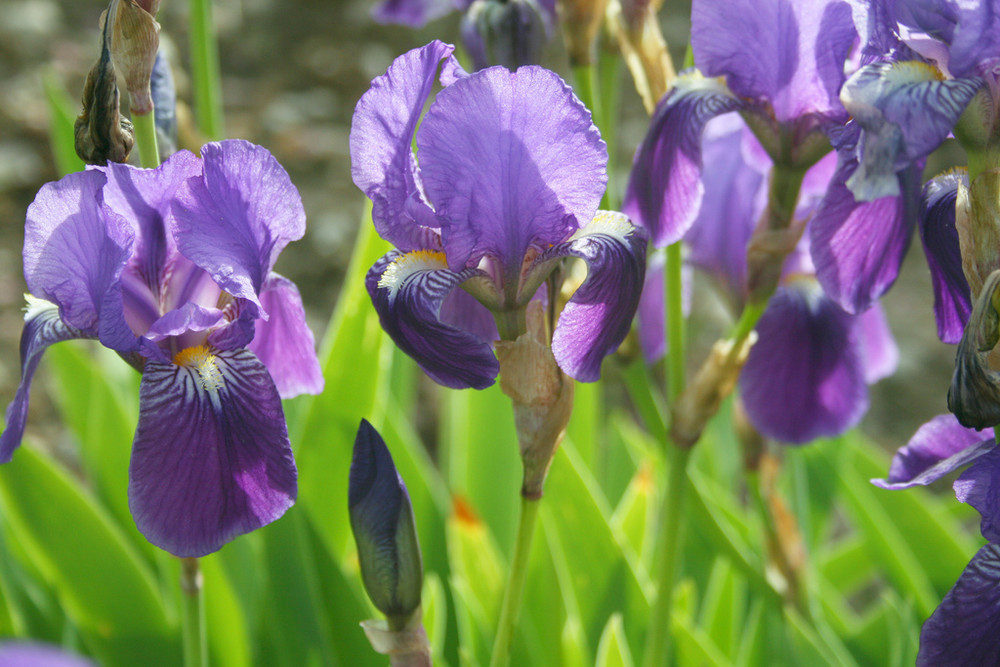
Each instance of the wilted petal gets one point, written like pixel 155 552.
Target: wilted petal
pixel 906 111
pixel 598 316
pixel 858 247
pixel 804 377
pixel 879 354
pixel 936 449
pixel 235 220
pixel 407 292
pixel 665 189
pixel 963 630
pixel 974 394
pixel 384 527
pixel 979 486
pixel 952 297
pixel 211 458
pixel 509 160
pixel 382 161
pixel 284 343
pixel 75 248
pixel 789 53
pixel 42 327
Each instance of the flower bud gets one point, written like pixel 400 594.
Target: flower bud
pixel 384 529
pixel 580 20
pixel 974 395
pixel 135 39
pixel 101 133
pixel 977 219
pixel 165 105
pixel 511 33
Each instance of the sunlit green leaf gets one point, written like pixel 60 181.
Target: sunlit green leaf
pixel 612 649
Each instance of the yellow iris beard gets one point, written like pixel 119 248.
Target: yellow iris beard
pixel 203 362
pixel 406 265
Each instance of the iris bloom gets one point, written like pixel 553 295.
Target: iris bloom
pixel 171 268
pixel 808 374
pixel 785 83
pixel 511 170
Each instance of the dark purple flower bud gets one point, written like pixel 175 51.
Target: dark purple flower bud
pixel 974 395
pixel 164 94
pixel 384 529
pixel 504 32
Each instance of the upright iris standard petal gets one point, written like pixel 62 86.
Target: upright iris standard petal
pixel 284 343
pixel 790 53
pixel 42 328
pixel 211 458
pixel 906 111
pixel 939 447
pixel 804 377
pixel 858 247
pixel 235 220
pixel 74 248
pixel 408 292
pixel 963 629
pixel 952 296
pixel 665 188
pixel 384 528
pixel 975 41
pixel 598 316
pixel 382 162
pixel 510 160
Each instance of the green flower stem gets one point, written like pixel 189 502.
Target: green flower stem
pixel 205 70
pixel 515 581
pixel 195 644
pixel 671 516
pixel 144 126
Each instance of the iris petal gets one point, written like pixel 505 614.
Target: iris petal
pixel 599 314
pixel 979 486
pixel 509 160
pixel 235 220
pixel 804 377
pixel 964 627
pixel 211 458
pixel 284 342
pixel 952 297
pixel 665 190
pixel 410 312
pixel 42 328
pixel 936 449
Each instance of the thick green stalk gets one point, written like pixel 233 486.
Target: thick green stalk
pixel 671 521
pixel 205 70
pixel 144 127
pixel 515 581
pixel 193 615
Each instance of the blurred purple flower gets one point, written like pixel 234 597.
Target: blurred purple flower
pixel 511 170
pixel 808 374
pixel 171 268
pixel 20 653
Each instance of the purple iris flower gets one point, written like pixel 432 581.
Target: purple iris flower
pixel 808 374
pixel 786 83
pixel 171 268
pixel 962 630
pixel 506 182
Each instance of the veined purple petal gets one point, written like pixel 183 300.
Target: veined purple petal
pixel 510 160
pixel 665 188
pixel 794 59
pixel 412 13
pixel 979 486
pixel 879 354
pixel 975 43
pixel 75 248
pixel 906 111
pixel 952 297
pixel 599 314
pixel 235 220
pixel 407 292
pixel 936 449
pixel 875 21
pixel 382 160
pixel 804 377
pixel 963 629
pixel 858 247
pixel 211 458
pixel 284 343
pixel 937 18
pixel 42 328
pixel 189 318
